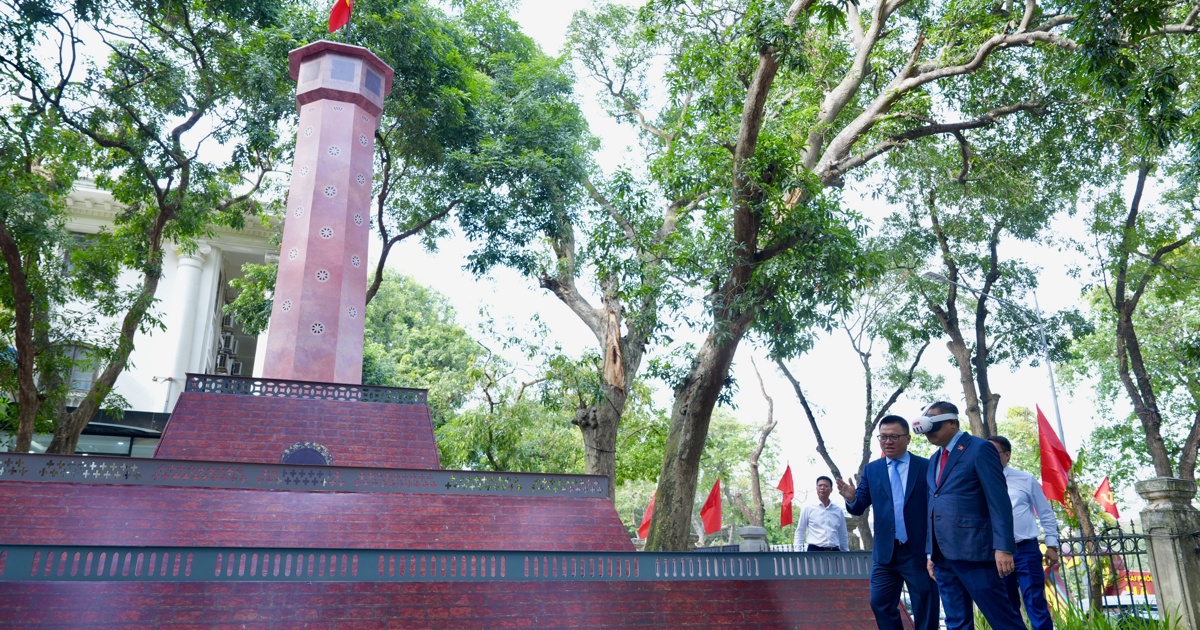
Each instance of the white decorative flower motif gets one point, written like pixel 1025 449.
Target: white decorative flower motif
pixel 358 219
pixel 326 232
pixel 364 118
pixel 356 261
pixel 362 139
pixel 335 150
pixel 318 328
pixel 338 108
pixel 353 312
pixel 322 275
pixel 308 132
pixel 361 179
pixel 299 211
pixel 331 191
pixel 303 171
pixel 293 253
pixel 286 306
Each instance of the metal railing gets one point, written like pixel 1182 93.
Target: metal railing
pixel 307 390
pixel 58 563
pixel 1109 571
pixel 77 469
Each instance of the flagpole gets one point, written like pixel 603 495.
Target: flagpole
pixel 1062 435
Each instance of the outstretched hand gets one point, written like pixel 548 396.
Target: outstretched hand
pixel 845 489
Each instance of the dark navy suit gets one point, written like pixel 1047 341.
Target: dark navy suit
pixel 970 518
pixel 896 564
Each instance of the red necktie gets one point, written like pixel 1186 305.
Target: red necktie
pixel 942 466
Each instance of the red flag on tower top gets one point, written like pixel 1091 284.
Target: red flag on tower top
pixel 1104 497
pixel 710 513
pixel 339 15
pixel 1055 461
pixel 789 493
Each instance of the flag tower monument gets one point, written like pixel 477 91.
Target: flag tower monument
pixel 317 319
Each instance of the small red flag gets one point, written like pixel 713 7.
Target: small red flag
pixel 1055 461
pixel 644 528
pixel 339 15
pixel 1104 497
pixel 789 493
pixel 710 513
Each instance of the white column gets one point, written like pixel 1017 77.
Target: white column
pixel 181 314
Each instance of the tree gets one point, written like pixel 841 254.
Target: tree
pixel 751 79
pixel 1167 327
pixel 40 162
pixel 171 86
pixel 1138 69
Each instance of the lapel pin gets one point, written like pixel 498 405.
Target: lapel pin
pixel 960 447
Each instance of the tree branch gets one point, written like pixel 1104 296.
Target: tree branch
pixel 900 139
pixel 812 420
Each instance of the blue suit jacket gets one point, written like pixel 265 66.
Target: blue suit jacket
pixel 970 512
pixel 875 487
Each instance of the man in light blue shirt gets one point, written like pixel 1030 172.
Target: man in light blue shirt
pixel 1030 508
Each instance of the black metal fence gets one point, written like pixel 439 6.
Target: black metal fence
pixel 1109 571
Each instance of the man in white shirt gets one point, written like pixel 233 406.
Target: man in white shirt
pixel 822 525
pixel 1030 509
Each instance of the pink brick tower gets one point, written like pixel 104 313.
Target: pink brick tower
pixel 316 331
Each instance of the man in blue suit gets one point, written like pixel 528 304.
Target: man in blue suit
pixel 970 537
pixel 896 485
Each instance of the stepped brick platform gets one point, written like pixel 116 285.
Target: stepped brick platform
pixel 217 532
pixel 235 419
pixel 118 501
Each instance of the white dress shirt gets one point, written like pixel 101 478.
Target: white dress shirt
pixel 825 526
pixel 1030 507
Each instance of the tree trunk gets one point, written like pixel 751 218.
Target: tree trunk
pixel 71 425
pixel 962 357
pixel 599 424
pixel 690 416
pixel 23 305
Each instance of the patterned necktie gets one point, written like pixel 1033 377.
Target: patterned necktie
pixel 942 466
pixel 898 500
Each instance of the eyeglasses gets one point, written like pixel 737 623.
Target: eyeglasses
pixel 891 438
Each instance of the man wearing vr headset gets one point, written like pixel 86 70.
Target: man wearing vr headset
pixel 970 538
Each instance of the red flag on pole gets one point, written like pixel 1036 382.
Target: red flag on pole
pixel 1104 497
pixel 339 15
pixel 789 492
pixel 1055 461
pixel 644 528
pixel 710 513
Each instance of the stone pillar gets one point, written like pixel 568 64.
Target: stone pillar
pixel 185 294
pixel 1172 527
pixel 316 329
pixel 754 539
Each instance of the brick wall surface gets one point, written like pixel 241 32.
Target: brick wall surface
pixel 747 605
pixel 257 429
pixel 79 514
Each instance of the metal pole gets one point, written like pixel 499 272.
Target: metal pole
pixel 1062 436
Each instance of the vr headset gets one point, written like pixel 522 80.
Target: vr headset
pixel 929 424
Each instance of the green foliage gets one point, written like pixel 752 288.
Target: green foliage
pixel 413 340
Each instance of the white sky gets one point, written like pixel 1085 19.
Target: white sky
pixel 831 372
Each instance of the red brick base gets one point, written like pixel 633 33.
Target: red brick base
pixel 758 605
pixel 234 428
